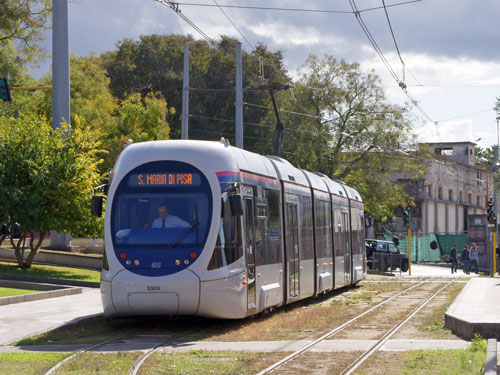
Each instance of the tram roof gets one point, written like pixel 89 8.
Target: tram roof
pixel 317 182
pixel 287 172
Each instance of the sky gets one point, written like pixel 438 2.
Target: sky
pixel 450 49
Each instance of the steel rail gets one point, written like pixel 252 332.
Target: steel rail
pixel 67 359
pixel 138 363
pixel 281 362
pixel 390 333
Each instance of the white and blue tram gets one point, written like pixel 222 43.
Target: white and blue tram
pixel 258 233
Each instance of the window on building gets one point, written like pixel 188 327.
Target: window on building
pixel 469 198
pixel 440 193
pixel 461 199
pixel 429 191
pixel 450 194
pixel 478 201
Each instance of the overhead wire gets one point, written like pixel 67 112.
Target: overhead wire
pixel 232 23
pixel 382 57
pixel 303 10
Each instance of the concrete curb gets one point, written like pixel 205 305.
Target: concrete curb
pixel 490 368
pixel 474 310
pixel 49 280
pixel 58 292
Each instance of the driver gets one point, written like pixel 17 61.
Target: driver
pixel 168 221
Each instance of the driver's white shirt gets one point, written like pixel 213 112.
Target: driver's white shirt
pixel 171 221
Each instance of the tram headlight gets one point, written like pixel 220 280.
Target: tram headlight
pixel 192 254
pixel 123 255
pixel 177 262
pixel 186 261
pixel 128 262
pixel 136 262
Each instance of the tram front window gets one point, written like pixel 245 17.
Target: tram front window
pixel 161 220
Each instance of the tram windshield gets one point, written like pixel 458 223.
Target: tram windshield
pixel 161 220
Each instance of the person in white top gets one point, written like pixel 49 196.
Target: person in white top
pixel 168 221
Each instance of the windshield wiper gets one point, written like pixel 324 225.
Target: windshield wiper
pixel 187 231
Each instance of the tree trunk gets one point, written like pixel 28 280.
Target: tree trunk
pixel 34 249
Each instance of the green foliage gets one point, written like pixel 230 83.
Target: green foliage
pixel 155 63
pixel 478 344
pixel 22 23
pixel 356 136
pixel 46 180
pixel 138 120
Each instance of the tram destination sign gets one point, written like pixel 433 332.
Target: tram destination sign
pixel 161 179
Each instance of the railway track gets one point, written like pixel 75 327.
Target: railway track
pixel 379 343
pixel 138 363
pixel 88 349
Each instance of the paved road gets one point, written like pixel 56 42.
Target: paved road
pixel 28 318
pixel 433 270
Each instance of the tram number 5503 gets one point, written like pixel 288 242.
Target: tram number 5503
pixel 153 288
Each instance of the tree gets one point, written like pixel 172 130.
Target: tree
pixel 351 132
pixel 22 23
pixel 46 181
pixel 138 120
pixel 155 63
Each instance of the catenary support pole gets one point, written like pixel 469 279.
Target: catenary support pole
pixel 60 86
pixel 495 168
pixel 185 95
pixel 60 64
pixel 239 98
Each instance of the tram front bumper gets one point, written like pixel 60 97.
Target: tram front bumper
pixel 129 294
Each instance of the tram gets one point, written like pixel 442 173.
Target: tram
pixel 204 228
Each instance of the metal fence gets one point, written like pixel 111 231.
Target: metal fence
pixel 421 251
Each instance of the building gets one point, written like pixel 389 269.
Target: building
pixel 451 197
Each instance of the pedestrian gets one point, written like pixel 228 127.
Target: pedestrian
pixel 466 259
pixel 498 255
pixel 453 259
pixel 474 257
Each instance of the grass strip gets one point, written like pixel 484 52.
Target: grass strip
pixel 11 292
pixel 428 362
pixel 28 363
pixel 197 362
pixel 99 363
pixel 59 272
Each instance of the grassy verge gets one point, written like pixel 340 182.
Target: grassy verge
pixel 428 362
pixel 11 292
pixel 99 329
pixel 197 362
pixel 28 363
pixel 98 363
pixel 52 271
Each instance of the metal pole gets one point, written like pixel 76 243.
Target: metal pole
pixel 409 251
pixel 493 253
pixel 60 86
pixel 185 95
pixel 239 98
pixel 60 64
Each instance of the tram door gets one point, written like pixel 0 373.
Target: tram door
pixel 250 251
pixel 347 247
pixel 292 250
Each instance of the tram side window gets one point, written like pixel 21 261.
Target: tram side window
pixel 323 242
pixel 228 248
pixel 357 233
pixel 306 228
pixel 274 225
pixel 339 233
